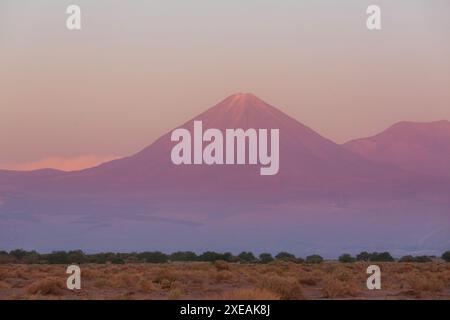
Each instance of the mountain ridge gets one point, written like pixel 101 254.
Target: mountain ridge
pixel 422 147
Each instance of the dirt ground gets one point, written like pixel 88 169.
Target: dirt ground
pixel 222 280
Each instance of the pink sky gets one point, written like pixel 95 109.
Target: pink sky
pixel 138 69
pixel 65 164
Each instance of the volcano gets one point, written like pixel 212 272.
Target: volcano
pixel 309 163
pixel 325 198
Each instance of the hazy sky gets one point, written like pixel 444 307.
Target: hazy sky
pixel 140 68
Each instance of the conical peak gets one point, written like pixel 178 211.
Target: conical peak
pixel 243 100
pixel 243 96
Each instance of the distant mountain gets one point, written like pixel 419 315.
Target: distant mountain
pixel 309 163
pixel 325 198
pixel 420 147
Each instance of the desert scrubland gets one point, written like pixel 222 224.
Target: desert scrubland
pixel 224 280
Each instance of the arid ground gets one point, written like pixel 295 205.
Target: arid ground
pixel 222 280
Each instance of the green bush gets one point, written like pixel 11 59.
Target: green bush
pixel 446 256
pixel 214 256
pixel 32 257
pixel 314 258
pixel 183 256
pixel 265 257
pixel 246 256
pixel 363 256
pixel 285 256
pixel 407 258
pixel 57 257
pixel 375 256
pixel 77 257
pixel 346 258
pixel 153 257
pixel 381 257
pixel 117 260
pixel 410 258
pixel 18 253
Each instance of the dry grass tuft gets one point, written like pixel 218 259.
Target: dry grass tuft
pixel 175 294
pixel 335 288
pixel 223 276
pixel 428 282
pixel 221 265
pixel 165 275
pixel 48 286
pixel 288 288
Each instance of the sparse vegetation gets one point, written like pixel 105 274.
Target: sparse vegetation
pixel 280 279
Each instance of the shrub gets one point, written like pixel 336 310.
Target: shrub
pixel 49 286
pixel 31 257
pixel 287 288
pixel 213 256
pixel 246 256
pixel 300 260
pixel 221 265
pixel 228 256
pixel 410 258
pixel 335 288
pixel 285 256
pixel 117 260
pixel 407 258
pixel 346 258
pixel 76 256
pixel 57 257
pixel 6 258
pixel 363 256
pixel 375 256
pixel 18 253
pixel 165 276
pixel 381 257
pixel 265 257
pixel 223 276
pixel 100 258
pixel 21 255
pixel 183 256
pixel 446 256
pixel 426 282
pixel 153 257
pixel 315 258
